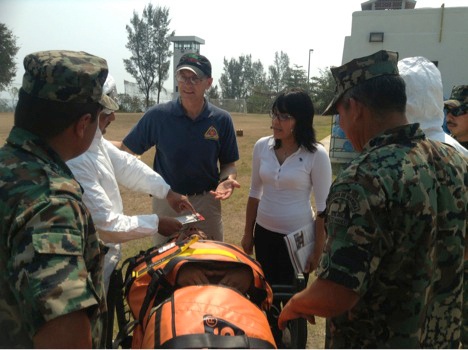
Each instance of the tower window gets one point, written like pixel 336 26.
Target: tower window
pixel 376 37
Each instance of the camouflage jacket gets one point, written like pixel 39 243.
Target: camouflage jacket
pixel 396 221
pixel 50 256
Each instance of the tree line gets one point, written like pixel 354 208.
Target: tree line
pixel 148 40
pixel 242 78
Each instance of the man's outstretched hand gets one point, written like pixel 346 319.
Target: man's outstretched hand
pixel 225 189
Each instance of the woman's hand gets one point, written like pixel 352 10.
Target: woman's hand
pixel 247 243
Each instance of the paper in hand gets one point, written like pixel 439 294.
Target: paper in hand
pixel 300 245
pixel 191 218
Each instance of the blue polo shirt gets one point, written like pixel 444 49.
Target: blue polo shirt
pixel 187 151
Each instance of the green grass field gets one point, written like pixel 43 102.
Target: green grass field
pixel 254 126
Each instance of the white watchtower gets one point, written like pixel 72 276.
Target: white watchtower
pixel 183 45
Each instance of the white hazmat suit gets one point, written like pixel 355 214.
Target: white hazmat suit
pixel 425 100
pixel 100 170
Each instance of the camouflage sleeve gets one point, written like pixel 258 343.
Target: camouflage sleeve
pixel 464 328
pixel 355 240
pixel 49 262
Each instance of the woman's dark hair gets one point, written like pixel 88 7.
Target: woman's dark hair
pixel 47 118
pixel 297 103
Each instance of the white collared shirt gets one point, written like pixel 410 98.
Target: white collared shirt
pixel 285 190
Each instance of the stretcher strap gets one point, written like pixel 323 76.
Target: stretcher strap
pixel 158 263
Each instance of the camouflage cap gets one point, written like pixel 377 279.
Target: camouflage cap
pixel 359 70
pixel 458 97
pixel 66 76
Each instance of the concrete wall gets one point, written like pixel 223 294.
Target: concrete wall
pixel 439 34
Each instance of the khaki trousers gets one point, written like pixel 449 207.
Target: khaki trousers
pixel 204 204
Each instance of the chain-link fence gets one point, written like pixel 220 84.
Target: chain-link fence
pixel 230 105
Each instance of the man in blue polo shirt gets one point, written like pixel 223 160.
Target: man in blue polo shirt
pixel 191 136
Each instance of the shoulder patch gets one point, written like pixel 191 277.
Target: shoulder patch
pixel 212 134
pixel 340 206
pixel 349 197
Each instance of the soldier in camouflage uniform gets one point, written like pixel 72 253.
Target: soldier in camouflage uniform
pixel 391 274
pixel 457 113
pixel 51 292
pixel 457 123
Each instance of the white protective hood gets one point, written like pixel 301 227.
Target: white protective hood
pixel 110 88
pixel 425 100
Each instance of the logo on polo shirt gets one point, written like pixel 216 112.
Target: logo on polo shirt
pixel 211 134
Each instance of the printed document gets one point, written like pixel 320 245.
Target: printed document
pixel 300 245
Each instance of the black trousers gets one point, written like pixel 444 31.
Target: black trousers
pixel 272 254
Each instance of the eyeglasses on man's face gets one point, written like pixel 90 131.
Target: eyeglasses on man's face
pixel 194 80
pixel 458 111
pixel 281 117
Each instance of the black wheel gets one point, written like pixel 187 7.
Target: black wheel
pixel 295 336
pixel 298 332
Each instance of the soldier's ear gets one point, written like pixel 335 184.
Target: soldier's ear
pixel 82 125
pixel 356 108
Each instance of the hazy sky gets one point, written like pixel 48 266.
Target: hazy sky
pixel 229 28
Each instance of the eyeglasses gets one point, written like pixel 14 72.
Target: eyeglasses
pixel 281 117
pixel 458 111
pixel 194 80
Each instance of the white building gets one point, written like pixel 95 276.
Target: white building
pixel 439 34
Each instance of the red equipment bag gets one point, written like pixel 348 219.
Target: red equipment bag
pixel 208 316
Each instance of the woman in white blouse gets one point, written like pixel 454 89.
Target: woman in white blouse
pixel 287 168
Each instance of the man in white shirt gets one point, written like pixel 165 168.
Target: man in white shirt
pixel 100 170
